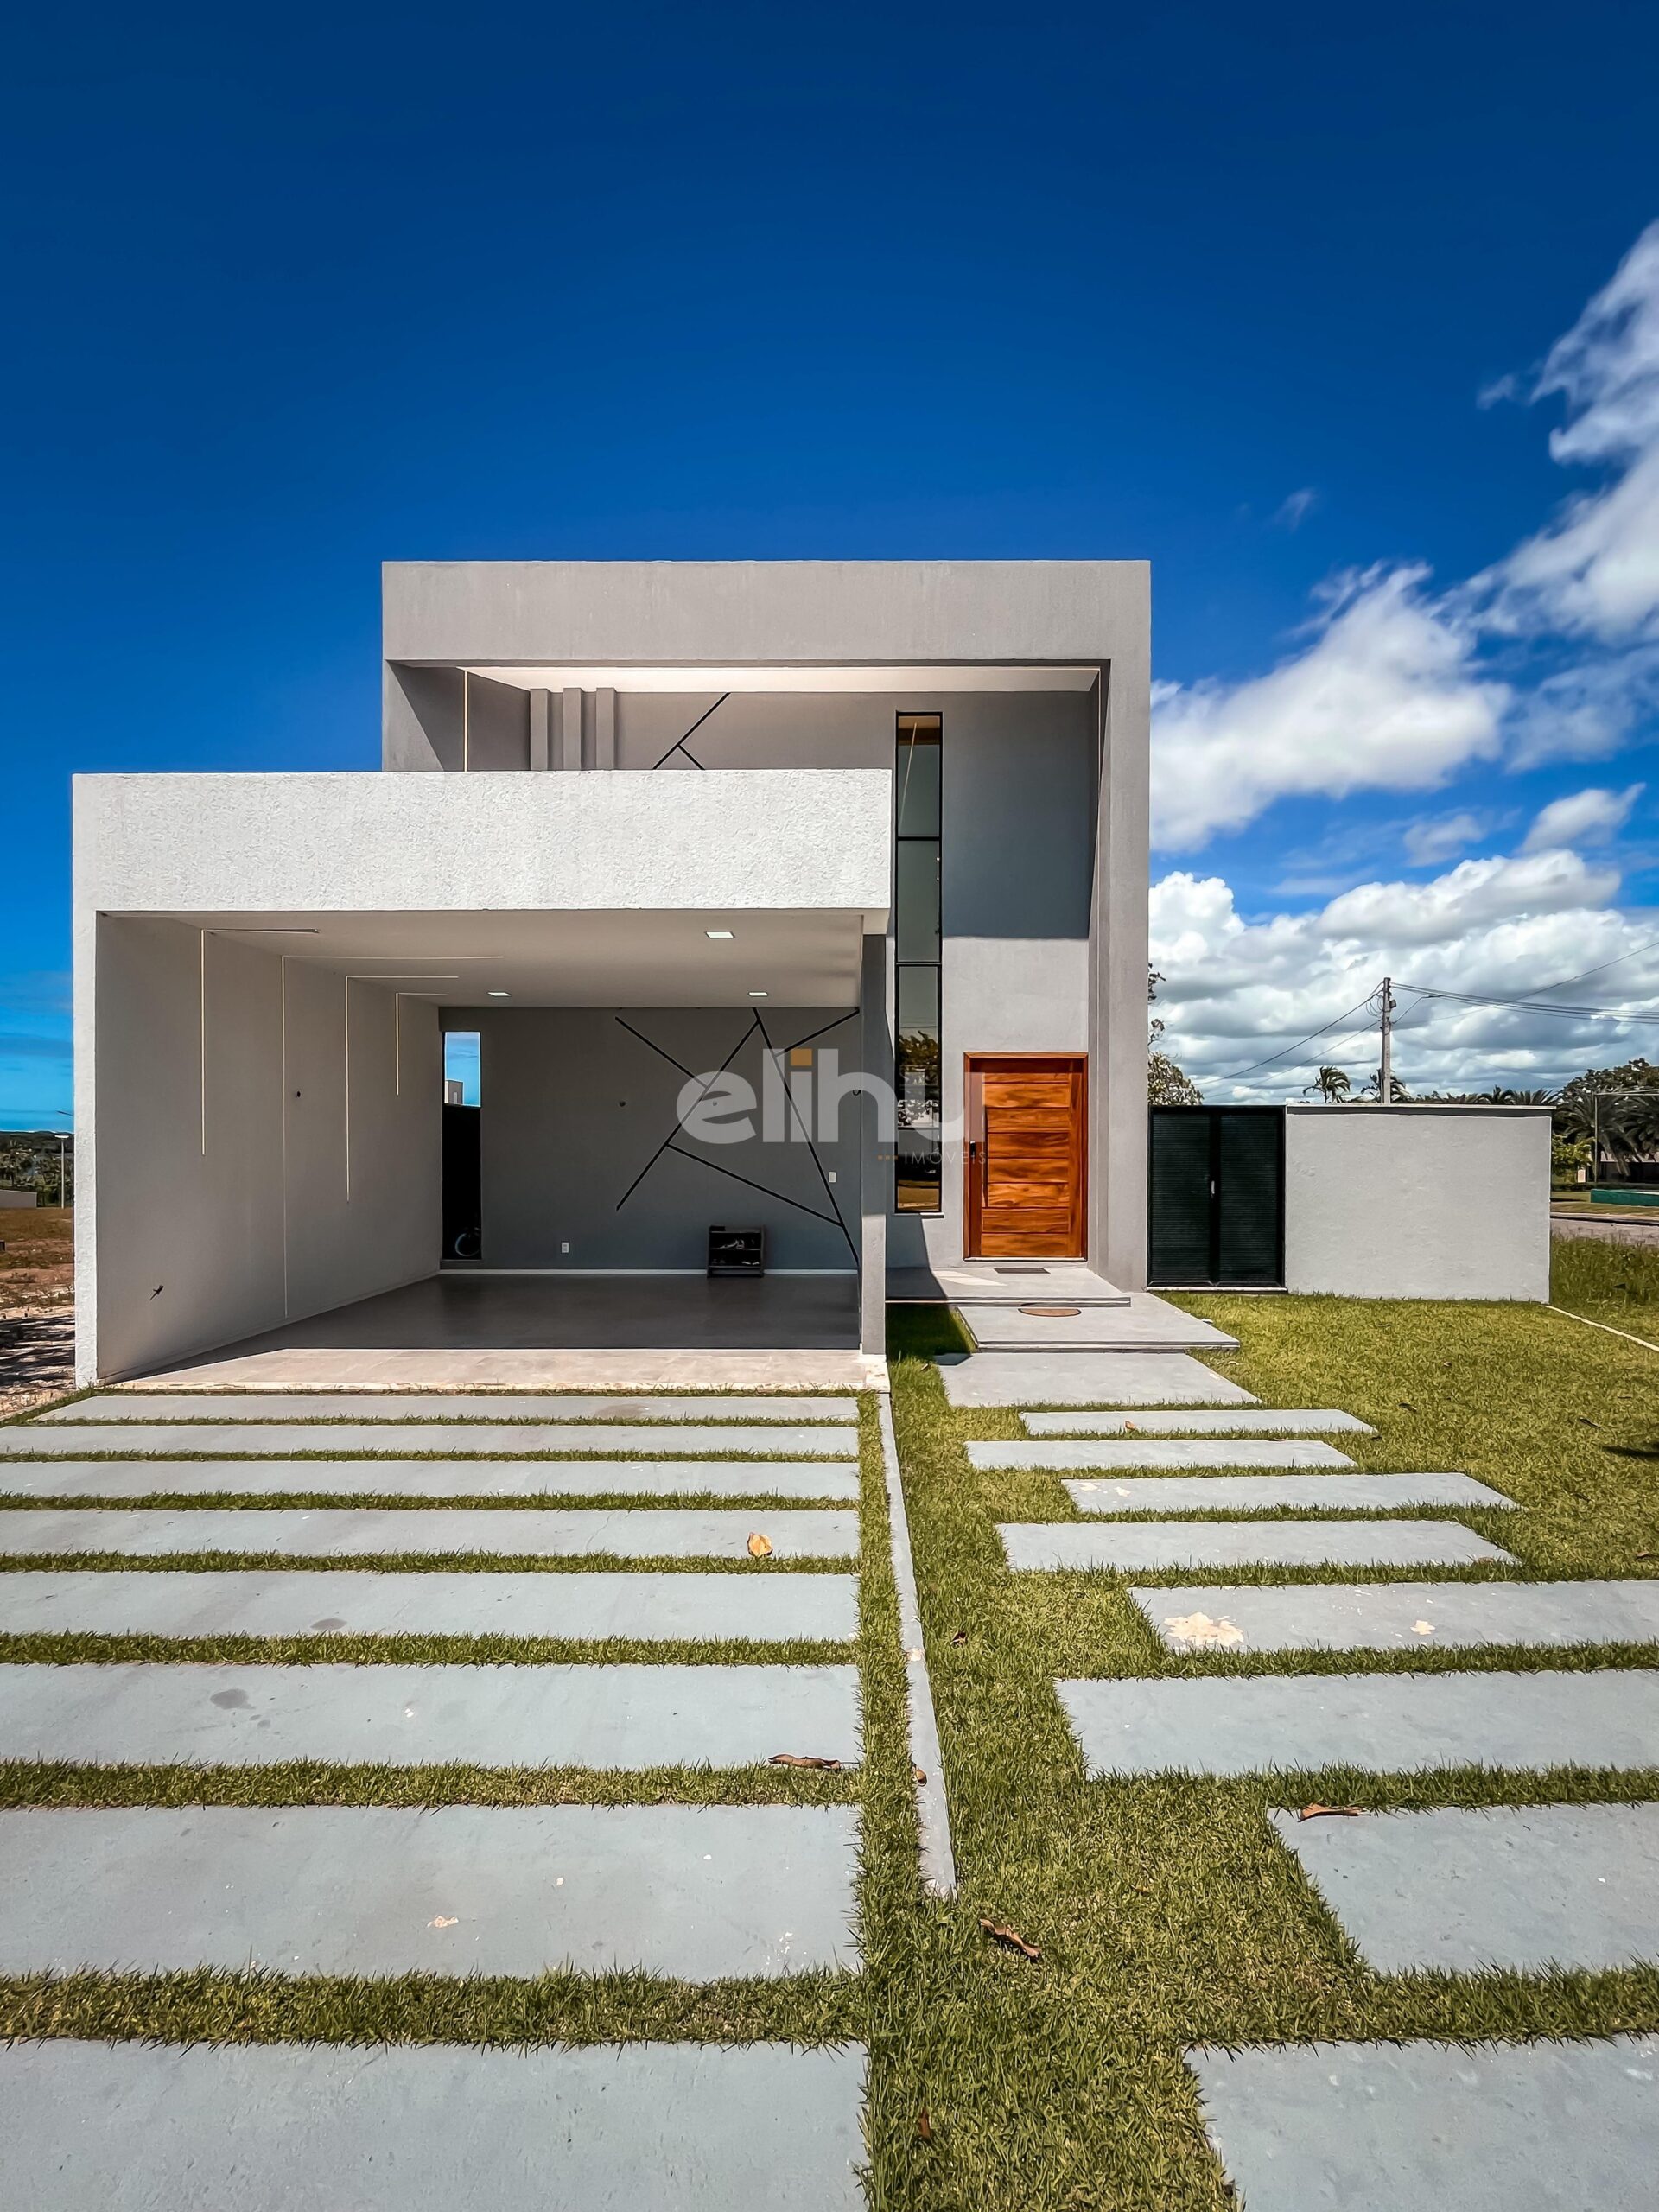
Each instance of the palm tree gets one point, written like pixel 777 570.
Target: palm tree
pixel 1333 1086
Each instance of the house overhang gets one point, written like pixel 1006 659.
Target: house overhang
pixel 608 890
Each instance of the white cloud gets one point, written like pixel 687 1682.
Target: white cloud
pixel 1438 837
pixel 1236 990
pixel 1386 697
pixel 1293 511
pixel 1399 689
pixel 1588 817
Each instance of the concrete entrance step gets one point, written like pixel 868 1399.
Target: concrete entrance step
pixel 1375 2127
pixel 1003 1282
pixel 1200 1421
pixel 390 1405
pixel 644 1607
pixel 406 1439
pixel 1383 1723
pixel 1460 1891
pixel 1327 1493
pixel 1134 1451
pixel 1073 1378
pixel 430 2128
pixel 1146 1324
pixel 1401 1616
pixel 607 1718
pixel 698 1893
pixel 1151 1547
pixel 788 1478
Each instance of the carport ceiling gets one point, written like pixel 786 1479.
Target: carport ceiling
pixel 565 959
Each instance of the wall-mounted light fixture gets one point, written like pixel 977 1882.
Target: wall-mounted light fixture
pixel 717 932
pixel 500 995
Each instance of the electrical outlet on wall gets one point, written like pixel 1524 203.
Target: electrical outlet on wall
pixel 565 1247
pixel 831 1174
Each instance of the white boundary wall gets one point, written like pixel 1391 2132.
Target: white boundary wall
pixel 1417 1201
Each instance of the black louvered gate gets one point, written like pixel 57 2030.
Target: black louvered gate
pixel 1217 1211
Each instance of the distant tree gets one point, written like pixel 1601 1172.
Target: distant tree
pixel 1333 1086
pixel 1167 1084
pixel 1398 1094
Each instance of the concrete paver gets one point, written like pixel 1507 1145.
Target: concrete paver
pixel 1384 1723
pixel 790 1479
pixel 610 1717
pixel 1150 1547
pixel 282 1439
pixel 1331 1493
pixel 439 1405
pixel 642 1606
pixel 1401 1616
pixel 1201 1421
pixel 1074 1378
pixel 1374 2127
pixel 1462 1888
pixel 367 1532
pixel 699 1892
pixel 430 2128
pixel 1126 1452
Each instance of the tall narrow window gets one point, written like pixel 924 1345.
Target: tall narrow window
pixel 916 933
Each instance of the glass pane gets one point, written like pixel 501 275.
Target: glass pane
pixel 917 899
pixel 916 796
pixel 917 1169
pixel 916 1172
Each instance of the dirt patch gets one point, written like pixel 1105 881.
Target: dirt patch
pixel 36 1304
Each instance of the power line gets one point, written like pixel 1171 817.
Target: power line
pixel 1340 1022
pixel 1529 1005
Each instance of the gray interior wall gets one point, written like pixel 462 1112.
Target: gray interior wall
pixel 575 1105
pixel 220 1196
pixel 1413 1202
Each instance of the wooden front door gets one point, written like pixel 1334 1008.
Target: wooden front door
pixel 1027 1156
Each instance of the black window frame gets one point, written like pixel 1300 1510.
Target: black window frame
pixel 905 733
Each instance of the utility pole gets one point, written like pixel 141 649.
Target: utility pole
pixel 1385 1074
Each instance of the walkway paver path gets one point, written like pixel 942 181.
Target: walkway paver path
pixel 360 1532
pixel 1330 1493
pixel 1147 1546
pixel 1383 1724
pixel 641 1606
pixel 698 1891
pixel 645 2127
pixel 1118 1452
pixel 438 1478
pixel 405 1439
pixel 386 1405
pixel 1401 1616
pixel 1382 2128
pixel 1462 1889
pixel 1200 1421
pixel 601 1717
pixel 1081 1379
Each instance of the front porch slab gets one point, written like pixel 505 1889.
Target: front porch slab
pixel 371 1532
pixel 427 2127
pixel 698 1893
pixel 609 1718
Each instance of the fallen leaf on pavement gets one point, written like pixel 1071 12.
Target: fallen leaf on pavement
pixel 759 1547
pixel 1338 1812
pixel 918 1773
pixel 1012 1937
pixel 440 1922
pixel 798 1758
pixel 1422 1628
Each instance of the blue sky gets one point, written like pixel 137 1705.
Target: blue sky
pixel 1223 289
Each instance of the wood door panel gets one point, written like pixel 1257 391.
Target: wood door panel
pixel 1027 1169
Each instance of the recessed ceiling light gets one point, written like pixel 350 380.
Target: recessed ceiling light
pixel 500 995
pixel 757 994
pixel 716 932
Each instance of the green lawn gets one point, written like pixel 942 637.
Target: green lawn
pixel 1166 1912
pixel 1615 1283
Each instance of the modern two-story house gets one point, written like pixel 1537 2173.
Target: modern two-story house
pixel 804 898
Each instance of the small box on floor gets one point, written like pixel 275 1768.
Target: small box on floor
pixel 737 1251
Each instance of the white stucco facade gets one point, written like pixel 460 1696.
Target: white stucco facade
pixel 1417 1201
